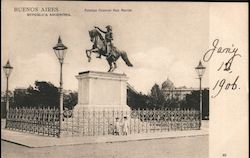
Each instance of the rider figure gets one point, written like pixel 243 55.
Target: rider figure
pixel 108 40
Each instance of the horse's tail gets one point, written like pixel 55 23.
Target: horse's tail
pixel 125 58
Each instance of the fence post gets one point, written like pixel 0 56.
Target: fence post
pixel 43 124
pixel 10 121
pixel 130 117
pixel 146 119
pixel 98 122
pixel 154 120
pixel 22 120
pixel 53 123
pixel 103 122
pixel 49 120
pixel 139 120
pixel 94 122
pixel 78 121
pixel 143 120
pixel 7 119
pixel 113 117
pixel 83 127
pixel 88 122
pixel 161 117
pixel 109 124
pixel 72 126
pixel 134 121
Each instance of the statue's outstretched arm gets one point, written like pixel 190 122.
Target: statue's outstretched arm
pixel 100 30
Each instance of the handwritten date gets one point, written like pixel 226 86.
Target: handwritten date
pixel 223 84
pixel 220 50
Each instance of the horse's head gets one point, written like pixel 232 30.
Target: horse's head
pixel 92 34
pixel 95 35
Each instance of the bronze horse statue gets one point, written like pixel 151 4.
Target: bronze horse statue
pixel 99 47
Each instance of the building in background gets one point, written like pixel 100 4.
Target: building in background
pixel 171 92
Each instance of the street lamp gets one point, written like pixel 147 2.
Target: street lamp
pixel 7 69
pixel 200 69
pixel 60 51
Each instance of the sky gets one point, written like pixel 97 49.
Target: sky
pixel 162 40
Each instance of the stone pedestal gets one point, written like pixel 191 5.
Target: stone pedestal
pixel 101 91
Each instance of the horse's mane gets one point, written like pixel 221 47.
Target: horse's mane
pixel 99 34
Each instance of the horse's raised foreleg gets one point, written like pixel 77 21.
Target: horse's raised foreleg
pixel 93 50
pixel 88 54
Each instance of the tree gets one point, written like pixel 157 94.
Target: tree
pixel 157 97
pixel 70 100
pixel 171 103
pixel 136 100
pixel 193 102
pixel 205 102
pixel 43 94
pixel 46 94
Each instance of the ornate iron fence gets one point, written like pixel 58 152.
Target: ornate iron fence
pixel 45 121
pixel 92 123
pixel 42 121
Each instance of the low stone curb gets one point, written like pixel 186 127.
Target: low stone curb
pixel 36 141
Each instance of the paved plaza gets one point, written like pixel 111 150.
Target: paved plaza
pixel 184 147
pixel 177 144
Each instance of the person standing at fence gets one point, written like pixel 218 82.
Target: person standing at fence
pixel 125 126
pixel 117 126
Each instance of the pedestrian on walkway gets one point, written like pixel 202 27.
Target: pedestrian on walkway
pixel 125 126
pixel 111 129
pixel 117 126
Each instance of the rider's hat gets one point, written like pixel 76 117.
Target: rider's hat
pixel 109 27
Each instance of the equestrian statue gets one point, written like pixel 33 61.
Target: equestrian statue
pixel 104 47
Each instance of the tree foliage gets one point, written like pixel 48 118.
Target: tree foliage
pixel 136 101
pixel 43 94
pixel 193 101
pixel 70 100
pixel 157 97
pixel 156 100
